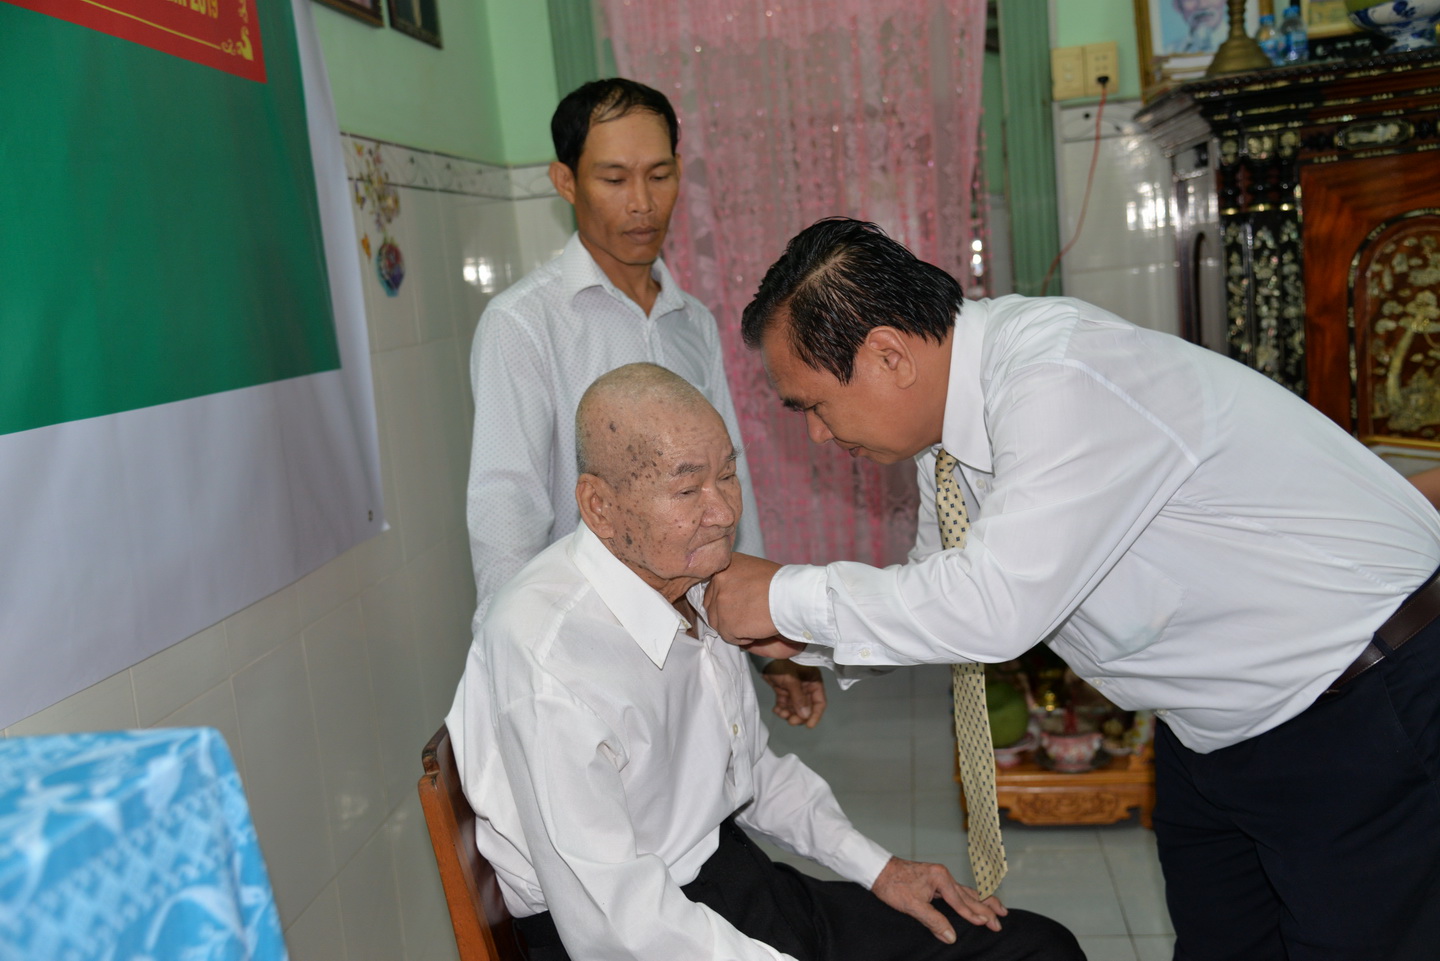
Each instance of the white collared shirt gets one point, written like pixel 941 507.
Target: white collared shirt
pixel 1188 535
pixel 602 746
pixel 538 345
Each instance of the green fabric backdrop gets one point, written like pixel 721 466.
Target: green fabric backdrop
pixel 160 238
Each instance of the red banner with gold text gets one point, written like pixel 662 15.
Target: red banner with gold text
pixel 224 34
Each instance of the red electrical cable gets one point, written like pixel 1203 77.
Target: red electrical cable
pixel 1089 182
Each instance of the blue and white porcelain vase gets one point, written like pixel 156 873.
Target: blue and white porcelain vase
pixel 1410 23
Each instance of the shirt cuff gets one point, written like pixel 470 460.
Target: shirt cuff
pixel 845 674
pixel 860 859
pixel 799 605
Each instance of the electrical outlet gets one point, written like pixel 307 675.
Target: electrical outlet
pixel 1100 60
pixel 1067 76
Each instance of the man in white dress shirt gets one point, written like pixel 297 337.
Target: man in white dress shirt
pixel 607 300
pixel 613 750
pixel 1187 534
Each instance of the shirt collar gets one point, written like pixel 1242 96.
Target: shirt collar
pixel 963 434
pixel 579 272
pixel 650 620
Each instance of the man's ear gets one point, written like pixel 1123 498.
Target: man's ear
pixel 892 353
pixel 593 495
pixel 564 180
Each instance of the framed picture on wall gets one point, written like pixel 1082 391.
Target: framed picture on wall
pixel 417 18
pixel 1326 18
pixel 367 10
pixel 1178 38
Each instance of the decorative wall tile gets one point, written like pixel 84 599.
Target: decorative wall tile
pixel 408 167
pixel 531 181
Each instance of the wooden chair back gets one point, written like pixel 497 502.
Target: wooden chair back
pixel 484 930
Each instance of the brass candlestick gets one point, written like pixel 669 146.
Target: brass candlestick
pixel 1239 52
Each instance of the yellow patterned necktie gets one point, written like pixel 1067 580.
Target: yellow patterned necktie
pixel 972 721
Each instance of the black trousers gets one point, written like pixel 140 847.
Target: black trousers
pixel 830 920
pixel 1319 839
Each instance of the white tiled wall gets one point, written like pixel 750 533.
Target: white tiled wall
pixel 327 689
pixel 1124 259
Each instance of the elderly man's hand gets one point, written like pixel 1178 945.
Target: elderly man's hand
pixel 910 886
pixel 737 604
pixel 799 691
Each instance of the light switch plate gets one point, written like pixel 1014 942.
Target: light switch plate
pixel 1067 73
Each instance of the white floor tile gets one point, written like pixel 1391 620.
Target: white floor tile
pixel 863 764
pixel 939 825
pixel 1070 885
pixel 1036 837
pixel 1154 948
pixel 1141 888
pixel 873 717
pixel 886 817
pixel 934 754
pixel 1125 835
pixel 887 749
pixel 1108 949
pixel 897 683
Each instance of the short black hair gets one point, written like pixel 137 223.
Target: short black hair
pixel 840 278
pixel 599 101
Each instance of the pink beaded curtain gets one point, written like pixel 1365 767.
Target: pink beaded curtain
pixel 792 111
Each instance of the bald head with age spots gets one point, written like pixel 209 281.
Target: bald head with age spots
pixel 657 476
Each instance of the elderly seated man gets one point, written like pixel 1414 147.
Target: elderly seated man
pixel 612 746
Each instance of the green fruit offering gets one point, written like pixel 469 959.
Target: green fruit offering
pixel 1009 717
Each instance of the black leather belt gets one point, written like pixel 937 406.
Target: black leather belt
pixel 1417 611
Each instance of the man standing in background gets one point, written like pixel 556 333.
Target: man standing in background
pixel 606 301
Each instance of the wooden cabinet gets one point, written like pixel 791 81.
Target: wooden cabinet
pixel 1308 209
pixel 1032 794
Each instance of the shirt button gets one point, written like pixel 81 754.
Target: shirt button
pixel 807 635
pixel 1162 712
pixel 865 652
pixel 735 729
pixel 1099 682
